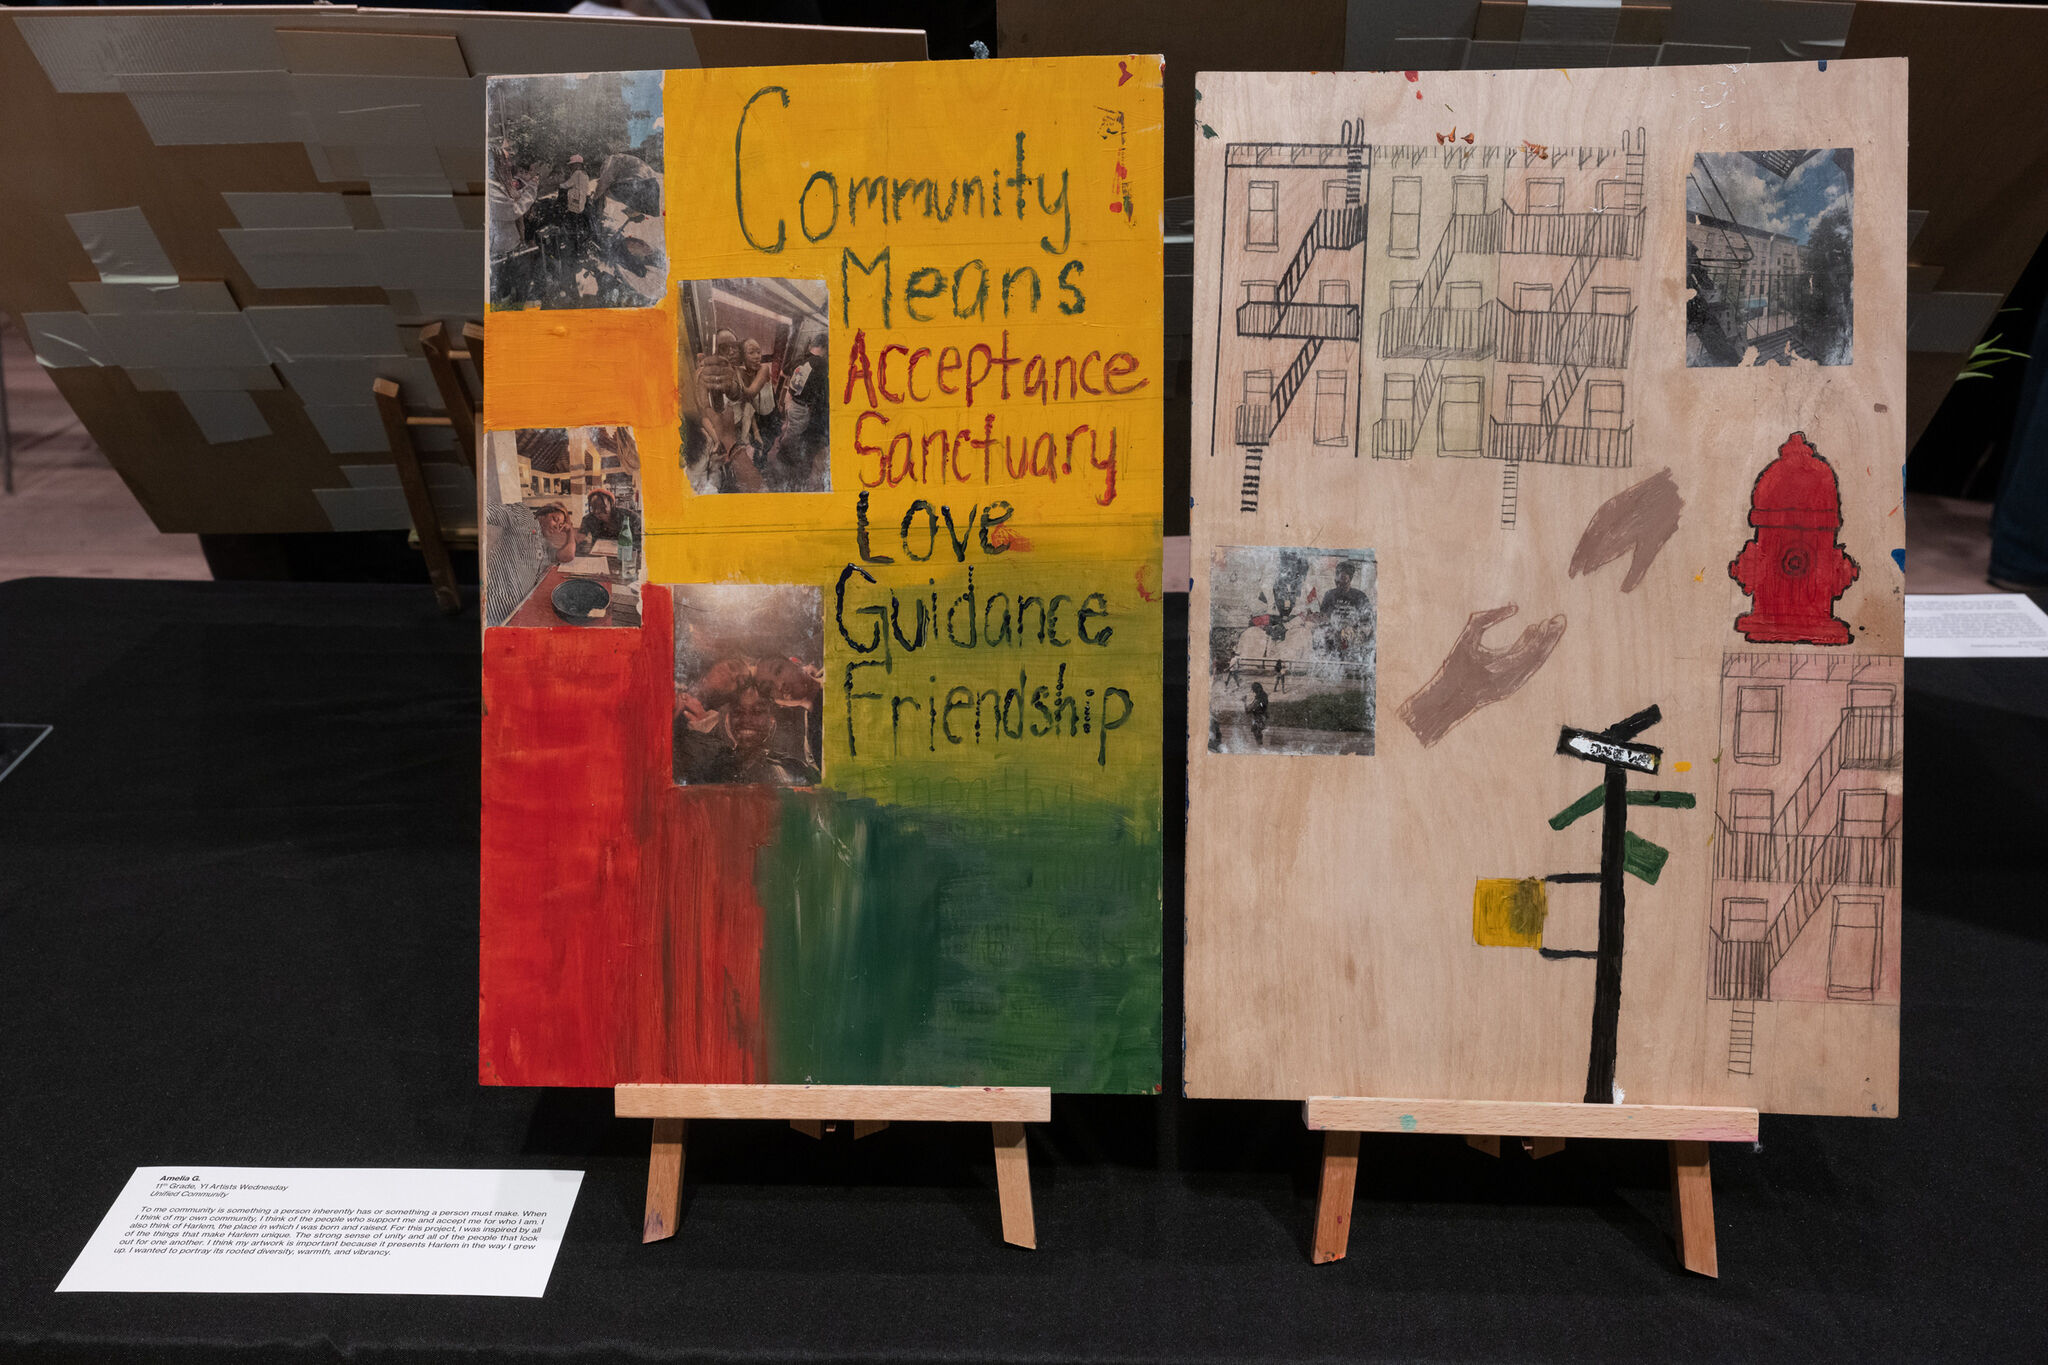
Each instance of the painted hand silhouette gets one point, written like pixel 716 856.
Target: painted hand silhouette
pixel 1473 675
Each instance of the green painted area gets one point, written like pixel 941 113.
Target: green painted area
pixel 1642 858
pixel 1585 805
pixel 1595 798
pixel 1006 936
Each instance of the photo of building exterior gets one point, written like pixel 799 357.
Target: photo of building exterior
pixel 1768 257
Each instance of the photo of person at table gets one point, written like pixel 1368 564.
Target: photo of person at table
pixel 754 381
pixel 560 504
pixel 749 685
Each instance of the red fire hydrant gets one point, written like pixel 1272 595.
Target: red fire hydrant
pixel 1793 568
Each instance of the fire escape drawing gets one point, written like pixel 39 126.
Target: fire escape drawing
pixel 1541 348
pixel 1501 282
pixel 1807 836
pixel 1306 324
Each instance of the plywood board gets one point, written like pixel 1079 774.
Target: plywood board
pixel 1504 381
pixel 212 144
pixel 821 506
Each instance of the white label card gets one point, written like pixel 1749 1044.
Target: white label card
pixel 1974 625
pixel 280 1230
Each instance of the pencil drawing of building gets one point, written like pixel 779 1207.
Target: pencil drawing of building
pixel 1806 843
pixel 1293 275
pixel 1507 303
pixel 1463 301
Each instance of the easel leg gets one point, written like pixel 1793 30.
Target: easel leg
pixel 419 501
pixel 1333 1201
pixel 664 1180
pixel 1013 1185
pixel 1692 1194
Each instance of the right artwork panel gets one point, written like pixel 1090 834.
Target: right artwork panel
pixel 1548 547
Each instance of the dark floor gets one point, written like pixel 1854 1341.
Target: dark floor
pixel 238 902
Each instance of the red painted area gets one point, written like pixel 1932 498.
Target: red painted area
pixel 1793 567
pixel 621 937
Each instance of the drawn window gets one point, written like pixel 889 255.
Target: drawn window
pixel 1336 293
pixel 1532 298
pixel 1756 724
pixel 1468 194
pixel 1613 302
pixel 1462 416
pixel 1466 294
pixel 1405 293
pixel 1525 398
pixel 1750 812
pixel 1258 387
pixel 1853 947
pixel 1613 195
pixel 1397 398
pixel 1546 196
pixel 1262 216
pixel 1334 195
pixel 1744 918
pixel 1262 291
pixel 1868 697
pixel 1603 404
pixel 1331 392
pixel 1404 231
pixel 1863 814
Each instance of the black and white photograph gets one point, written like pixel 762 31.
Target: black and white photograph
pixel 1769 258
pixel 1291 650
pixel 574 199
pixel 757 402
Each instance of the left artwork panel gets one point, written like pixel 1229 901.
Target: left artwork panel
pixel 823 606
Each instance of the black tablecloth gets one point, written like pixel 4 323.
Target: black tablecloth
pixel 238 927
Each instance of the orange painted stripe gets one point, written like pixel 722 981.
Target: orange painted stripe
pixel 573 367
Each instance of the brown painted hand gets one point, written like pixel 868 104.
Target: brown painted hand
pixel 1473 675
pixel 1640 519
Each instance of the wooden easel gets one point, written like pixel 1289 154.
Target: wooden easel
pixel 464 415
pixel 812 1109
pixel 1687 1128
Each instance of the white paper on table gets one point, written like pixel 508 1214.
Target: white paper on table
pixel 587 566
pixel 283 1230
pixel 1974 625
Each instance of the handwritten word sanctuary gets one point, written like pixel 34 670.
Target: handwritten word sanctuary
pixel 867 204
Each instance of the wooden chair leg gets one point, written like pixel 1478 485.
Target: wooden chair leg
pixel 473 342
pixel 1481 1142
pixel 419 500
pixel 1334 1198
pixel 1692 1194
pixel 1013 1185
pixel 664 1180
pixel 454 395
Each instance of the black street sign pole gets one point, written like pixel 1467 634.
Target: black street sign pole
pixel 1607 966
pixel 1611 749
